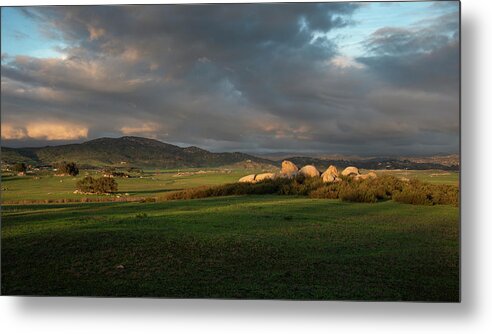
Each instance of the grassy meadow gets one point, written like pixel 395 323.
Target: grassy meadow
pixel 262 247
pixel 152 183
pixel 235 247
pixel 156 183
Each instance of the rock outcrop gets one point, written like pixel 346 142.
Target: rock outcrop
pixel 328 178
pixel 349 171
pixel 248 179
pixel 264 176
pixel 309 171
pixel 370 175
pixel 332 170
pixel 330 175
pixel 289 168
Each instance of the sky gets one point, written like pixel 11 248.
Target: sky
pixel 333 78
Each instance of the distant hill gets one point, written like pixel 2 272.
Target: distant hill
pixel 373 163
pixel 131 151
pixel 442 159
pixel 143 152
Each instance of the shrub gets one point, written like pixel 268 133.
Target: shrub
pixel 134 170
pixel 330 191
pixel 103 185
pixel 86 185
pixel 416 192
pixel 413 196
pixel 19 167
pixel 446 194
pixel 260 188
pixel 300 185
pixel 355 193
pixel 349 189
pixel 120 174
pixel 69 168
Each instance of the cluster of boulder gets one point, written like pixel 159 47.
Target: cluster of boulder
pixel 290 170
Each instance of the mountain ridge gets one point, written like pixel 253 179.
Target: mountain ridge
pixel 127 150
pixel 145 152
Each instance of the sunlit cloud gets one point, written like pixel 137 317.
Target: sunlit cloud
pixel 12 132
pixel 56 131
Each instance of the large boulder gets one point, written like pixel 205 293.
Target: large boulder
pixel 248 179
pixel 288 168
pixel 309 171
pixel 328 177
pixel 264 176
pixel 331 170
pixel 370 175
pixel 350 171
pixel 360 177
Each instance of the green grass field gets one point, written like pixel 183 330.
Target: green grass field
pixel 155 184
pixel 266 246
pixel 430 176
pixel 152 184
pixel 234 247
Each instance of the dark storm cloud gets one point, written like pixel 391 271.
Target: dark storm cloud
pixel 236 77
pixel 418 70
pixel 425 56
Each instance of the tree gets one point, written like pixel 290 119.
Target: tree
pixel 86 185
pixel 69 168
pixel 20 167
pixel 103 185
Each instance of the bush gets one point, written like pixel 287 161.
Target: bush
pixel 330 191
pixel 106 185
pixel 260 188
pixel 102 185
pixel 413 196
pixel 300 185
pixel 354 192
pixel 366 191
pixel 86 185
pixel 134 170
pixel 416 192
pixel 19 167
pixel 69 168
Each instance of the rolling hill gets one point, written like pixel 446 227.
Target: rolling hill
pixel 373 163
pixel 144 152
pixel 131 151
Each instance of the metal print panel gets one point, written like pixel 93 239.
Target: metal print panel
pixel 305 151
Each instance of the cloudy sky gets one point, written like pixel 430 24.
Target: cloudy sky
pixel 346 78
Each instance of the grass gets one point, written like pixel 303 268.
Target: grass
pixel 429 176
pixel 153 183
pixel 157 183
pixel 233 247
